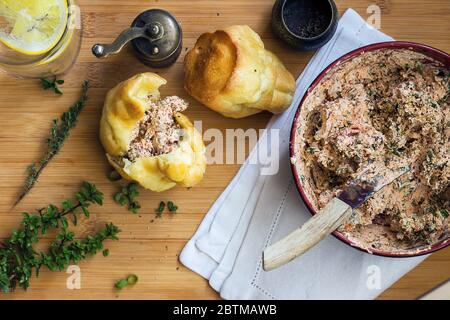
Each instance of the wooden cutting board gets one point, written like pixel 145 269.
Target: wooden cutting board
pixel 150 247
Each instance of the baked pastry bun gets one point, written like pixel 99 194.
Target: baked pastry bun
pixel 149 140
pixel 232 73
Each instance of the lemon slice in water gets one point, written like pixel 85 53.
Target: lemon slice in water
pixel 33 27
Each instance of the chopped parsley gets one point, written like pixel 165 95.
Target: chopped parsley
pixel 172 207
pixel 159 211
pixel 419 67
pixel 430 156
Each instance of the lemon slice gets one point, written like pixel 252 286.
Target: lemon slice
pixel 33 27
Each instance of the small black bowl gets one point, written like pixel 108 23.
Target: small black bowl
pixel 305 25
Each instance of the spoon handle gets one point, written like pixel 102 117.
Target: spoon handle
pixel 308 235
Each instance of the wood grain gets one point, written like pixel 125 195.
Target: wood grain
pixel 149 247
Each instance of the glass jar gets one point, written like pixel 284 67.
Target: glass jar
pixel 58 60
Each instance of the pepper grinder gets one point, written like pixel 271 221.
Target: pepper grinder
pixel 156 37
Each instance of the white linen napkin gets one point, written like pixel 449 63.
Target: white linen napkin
pixel 256 210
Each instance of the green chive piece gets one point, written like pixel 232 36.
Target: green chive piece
pixel 121 284
pixel 132 279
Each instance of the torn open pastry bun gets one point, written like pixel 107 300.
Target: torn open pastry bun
pixel 231 72
pixel 149 140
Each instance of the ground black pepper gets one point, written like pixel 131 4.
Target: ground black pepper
pixel 306 19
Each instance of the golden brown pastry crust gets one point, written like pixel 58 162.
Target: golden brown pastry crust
pixel 232 73
pixel 124 107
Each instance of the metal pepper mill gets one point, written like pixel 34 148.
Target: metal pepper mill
pixel 156 37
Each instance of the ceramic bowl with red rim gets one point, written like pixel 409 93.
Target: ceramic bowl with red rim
pixel 443 59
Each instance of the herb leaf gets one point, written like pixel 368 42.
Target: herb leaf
pixel 419 67
pixel 52 84
pixel 159 211
pixel 172 207
pixel 114 176
pixel 430 156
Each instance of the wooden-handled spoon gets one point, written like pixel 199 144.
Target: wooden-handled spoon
pixel 327 220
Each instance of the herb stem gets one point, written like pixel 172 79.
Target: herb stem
pixel 32 178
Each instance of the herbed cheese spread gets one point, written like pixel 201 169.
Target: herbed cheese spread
pixel 386 108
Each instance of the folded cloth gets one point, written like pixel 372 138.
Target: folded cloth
pixel 256 210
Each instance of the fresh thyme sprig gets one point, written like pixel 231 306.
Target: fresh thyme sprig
pixel 59 132
pixel 127 196
pixel 18 258
pixel 52 84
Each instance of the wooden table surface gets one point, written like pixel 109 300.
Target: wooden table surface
pixel 150 247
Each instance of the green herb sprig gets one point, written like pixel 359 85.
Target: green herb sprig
pixel 52 84
pixel 127 197
pixel 18 258
pixel 59 133
pixel 132 279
